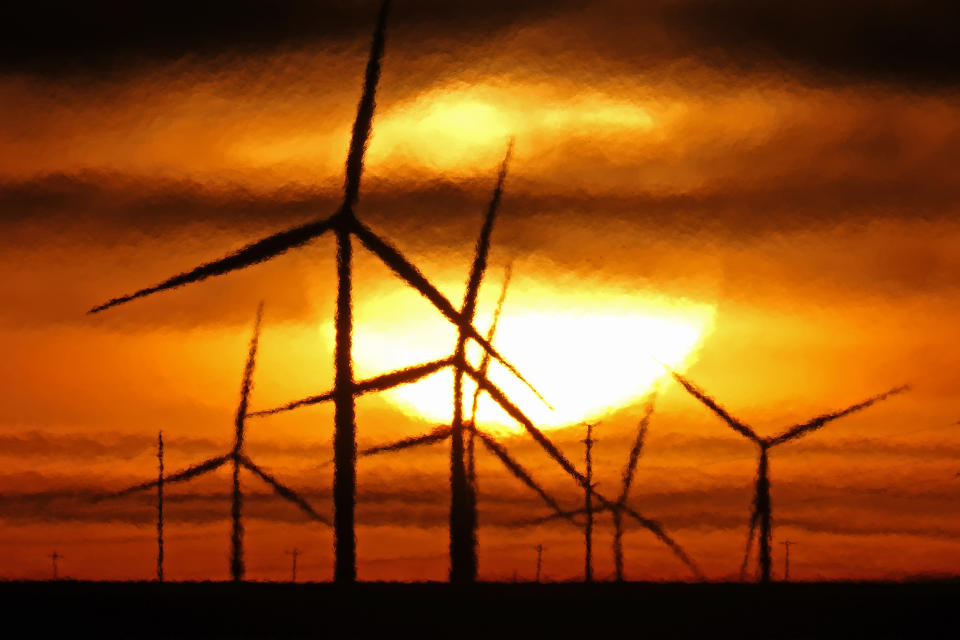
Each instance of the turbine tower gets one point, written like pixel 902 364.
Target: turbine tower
pixel 761 512
pixel 55 556
pixel 238 458
pixel 345 225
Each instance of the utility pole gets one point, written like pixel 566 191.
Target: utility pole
pixel 55 556
pixel 294 553
pixel 160 507
pixel 588 531
pixel 786 560
pixel 539 560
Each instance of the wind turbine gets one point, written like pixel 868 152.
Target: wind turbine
pixel 344 224
pixel 238 458
pixel 761 513
pixel 484 385
pixel 463 519
pixel 55 556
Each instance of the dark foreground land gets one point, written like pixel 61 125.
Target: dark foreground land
pixel 798 610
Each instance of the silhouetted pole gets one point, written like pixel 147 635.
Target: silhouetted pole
pixel 55 556
pixel 588 530
pixel 160 506
pixel 294 554
pixel 763 508
pixel 539 560
pixel 786 559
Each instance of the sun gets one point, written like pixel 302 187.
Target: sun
pixel 589 354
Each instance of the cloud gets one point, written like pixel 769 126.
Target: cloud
pixel 55 38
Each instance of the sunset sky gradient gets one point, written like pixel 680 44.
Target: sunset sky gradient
pixel 764 196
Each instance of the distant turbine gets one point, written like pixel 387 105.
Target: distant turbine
pixel 761 501
pixel 344 224
pixel 239 459
pixel 55 556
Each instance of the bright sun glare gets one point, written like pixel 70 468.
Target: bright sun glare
pixel 586 363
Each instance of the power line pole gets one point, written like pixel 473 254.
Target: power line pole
pixel 588 530
pixel 160 507
pixel 294 553
pixel 539 560
pixel 55 556
pixel 786 560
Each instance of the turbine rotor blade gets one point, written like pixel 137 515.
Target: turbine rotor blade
pixel 438 434
pixel 485 361
pixel 657 529
pixel 182 476
pixel 483 246
pixel 637 449
pixel 379 383
pixel 514 412
pixel 521 474
pixel 652 525
pixel 364 119
pixel 556 516
pixel 820 421
pixel 283 491
pixel 712 404
pixel 412 276
pixel 247 384
pixel 253 253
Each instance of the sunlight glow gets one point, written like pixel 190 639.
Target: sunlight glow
pixel 586 363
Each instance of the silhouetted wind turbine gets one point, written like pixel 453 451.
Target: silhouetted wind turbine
pixel 55 556
pixel 160 506
pixel 761 513
pixel 463 500
pixel 239 459
pixel 484 385
pixel 344 224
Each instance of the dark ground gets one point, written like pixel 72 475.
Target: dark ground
pixel 797 610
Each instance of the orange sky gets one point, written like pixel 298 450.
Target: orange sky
pixel 784 229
